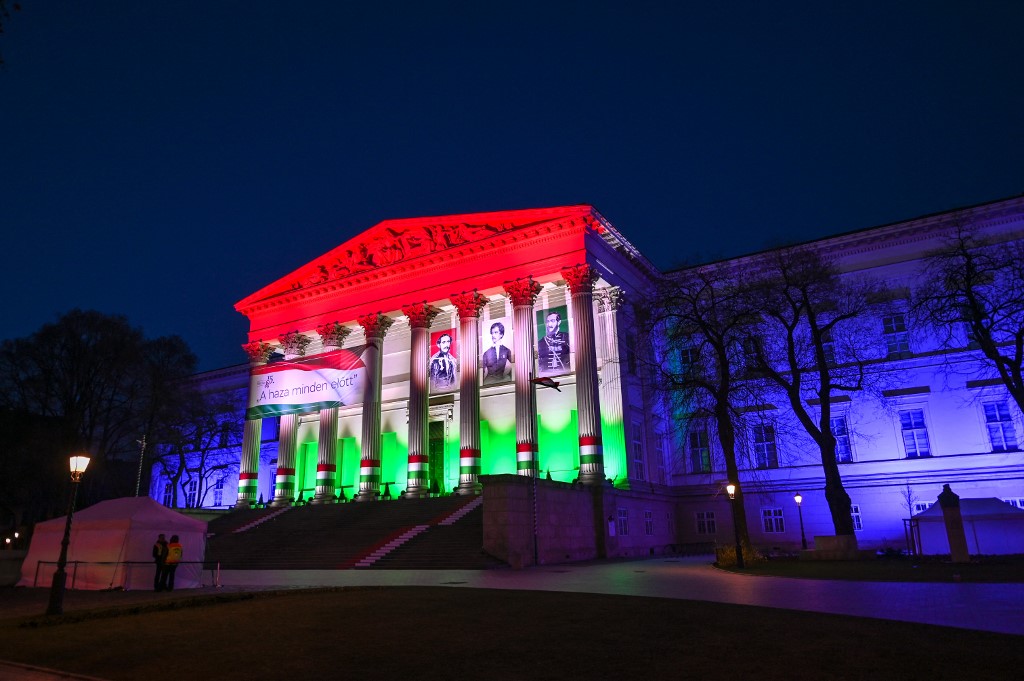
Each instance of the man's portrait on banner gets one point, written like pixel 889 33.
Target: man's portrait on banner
pixel 553 342
pixel 443 371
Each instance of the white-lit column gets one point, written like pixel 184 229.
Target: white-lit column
pixel 611 299
pixel 375 327
pixel 249 468
pixel 420 316
pixel 588 404
pixel 469 306
pixel 523 293
pixel 327 457
pixel 284 478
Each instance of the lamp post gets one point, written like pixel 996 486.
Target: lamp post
pixel 731 489
pixel 56 606
pixel 800 510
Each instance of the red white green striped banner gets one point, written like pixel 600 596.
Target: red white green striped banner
pixel 307 384
pixel 590 450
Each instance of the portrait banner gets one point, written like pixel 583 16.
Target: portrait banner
pixel 553 342
pixel 443 371
pixel 331 379
pixel 496 361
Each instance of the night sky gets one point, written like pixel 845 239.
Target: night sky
pixel 162 160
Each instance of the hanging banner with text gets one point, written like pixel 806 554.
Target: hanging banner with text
pixel 308 384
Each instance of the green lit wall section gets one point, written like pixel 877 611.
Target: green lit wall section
pixel 613 442
pixel 348 457
pixel 559 444
pixel 498 449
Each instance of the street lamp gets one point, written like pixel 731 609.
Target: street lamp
pixel 731 490
pixel 56 607
pixel 800 510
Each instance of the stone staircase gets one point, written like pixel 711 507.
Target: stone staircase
pixel 343 536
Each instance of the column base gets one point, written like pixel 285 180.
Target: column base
pixel 469 488
pixel 595 479
pixel 243 505
pixel 320 499
pixel 417 493
pixel 280 502
pixel 367 495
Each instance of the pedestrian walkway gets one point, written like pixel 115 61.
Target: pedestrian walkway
pixel 986 607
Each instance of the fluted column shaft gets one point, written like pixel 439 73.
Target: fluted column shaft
pixel 248 473
pixel 588 403
pixel 327 457
pixel 523 293
pixel 611 372
pixel 284 478
pixel 375 327
pixel 469 306
pixel 420 316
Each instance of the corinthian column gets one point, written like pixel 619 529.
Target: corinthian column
pixel 284 479
pixel 248 473
pixel 332 335
pixel 588 404
pixel 469 306
pixel 523 293
pixel 375 326
pixel 420 316
pixel 610 301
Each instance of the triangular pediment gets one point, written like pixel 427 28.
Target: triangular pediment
pixel 403 242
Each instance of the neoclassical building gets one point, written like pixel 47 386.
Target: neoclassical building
pixel 428 352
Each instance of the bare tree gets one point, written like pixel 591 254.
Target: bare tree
pixel 977 284
pixel 201 447
pixel 694 325
pixel 808 343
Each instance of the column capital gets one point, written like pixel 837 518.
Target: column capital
pixel 612 298
pixel 581 278
pixel 468 304
pixel 420 314
pixel 375 324
pixel 522 291
pixel 295 343
pixel 333 334
pixel 258 351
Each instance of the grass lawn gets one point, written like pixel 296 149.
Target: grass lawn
pixel 452 633
pixel 989 569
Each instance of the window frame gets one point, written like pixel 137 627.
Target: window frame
pixel 705 522
pixel 773 520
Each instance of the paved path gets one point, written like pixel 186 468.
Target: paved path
pixel 986 607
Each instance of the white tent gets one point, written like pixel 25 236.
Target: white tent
pixel 992 527
pixel 112 542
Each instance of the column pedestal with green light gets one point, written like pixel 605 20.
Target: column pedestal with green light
pixel 581 280
pixel 523 293
pixel 420 316
pixel 327 457
pixel 469 306
pixel 375 327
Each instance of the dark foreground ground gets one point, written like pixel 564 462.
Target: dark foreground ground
pixel 447 633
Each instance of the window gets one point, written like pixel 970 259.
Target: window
pixel 828 347
pixel 706 522
pixel 855 516
pixel 271 429
pixel 765 453
pixel 1016 501
pixel 167 493
pixel 922 506
pixel 225 434
pixel 700 451
pixel 1000 427
pixel 689 357
pixel 649 523
pixel 622 524
pixel 752 354
pixel 638 452
pixel 897 340
pixel 844 453
pixel 915 434
pixel 190 496
pixel 218 492
pixel 773 521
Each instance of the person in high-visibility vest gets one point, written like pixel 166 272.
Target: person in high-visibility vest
pixel 174 552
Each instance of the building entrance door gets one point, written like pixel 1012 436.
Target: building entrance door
pixel 435 457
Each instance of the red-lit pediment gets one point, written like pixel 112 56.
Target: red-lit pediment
pixel 394 244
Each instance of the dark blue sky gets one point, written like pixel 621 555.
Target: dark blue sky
pixel 164 160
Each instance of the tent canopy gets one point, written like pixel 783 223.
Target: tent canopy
pixel 112 543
